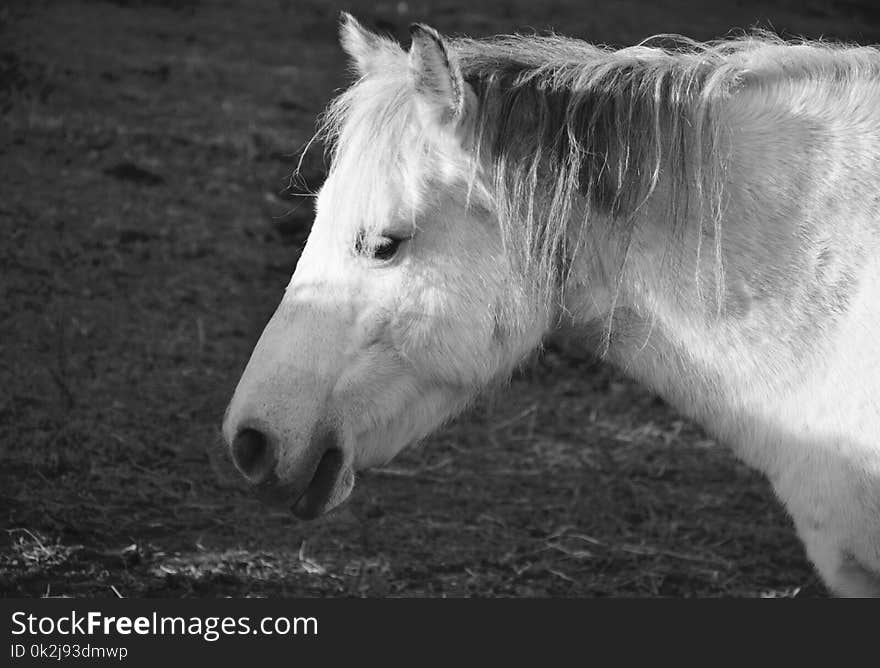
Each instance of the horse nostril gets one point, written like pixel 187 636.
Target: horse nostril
pixel 253 455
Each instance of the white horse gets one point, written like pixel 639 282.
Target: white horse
pixel 707 215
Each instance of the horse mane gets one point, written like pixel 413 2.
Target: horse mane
pixel 569 133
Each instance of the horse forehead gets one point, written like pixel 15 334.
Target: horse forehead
pixel 369 192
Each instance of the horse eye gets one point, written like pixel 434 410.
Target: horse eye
pixel 386 248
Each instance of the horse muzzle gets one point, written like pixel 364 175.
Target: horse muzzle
pixel 311 482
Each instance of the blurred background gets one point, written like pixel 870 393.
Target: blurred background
pixel 149 226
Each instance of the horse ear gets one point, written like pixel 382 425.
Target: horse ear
pixel 442 91
pixel 361 45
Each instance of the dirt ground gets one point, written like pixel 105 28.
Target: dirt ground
pixel 148 231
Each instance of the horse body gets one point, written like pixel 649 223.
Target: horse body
pixel 708 219
pixel 788 371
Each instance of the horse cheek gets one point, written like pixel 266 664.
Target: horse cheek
pixel 436 339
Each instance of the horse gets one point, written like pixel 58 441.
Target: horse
pixel 705 216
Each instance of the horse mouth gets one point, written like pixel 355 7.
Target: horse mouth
pixel 330 485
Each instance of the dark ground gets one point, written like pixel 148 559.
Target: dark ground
pixel 147 235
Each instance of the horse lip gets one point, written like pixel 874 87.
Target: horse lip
pixel 272 493
pixel 330 484
pixel 279 493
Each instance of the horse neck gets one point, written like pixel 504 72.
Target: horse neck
pixel 799 223
pixel 653 318
pixel 647 274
